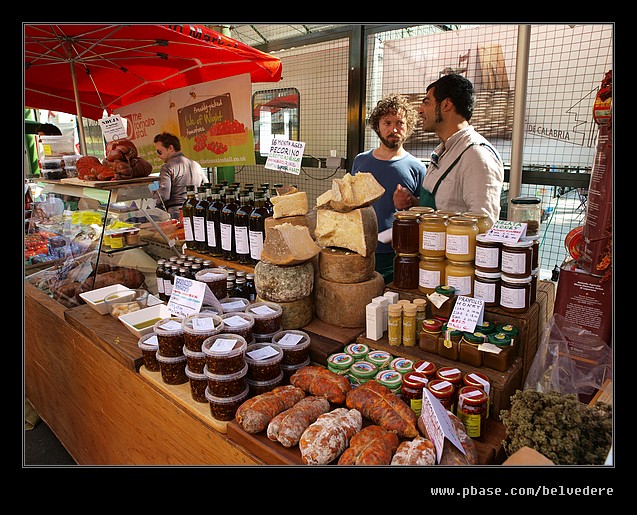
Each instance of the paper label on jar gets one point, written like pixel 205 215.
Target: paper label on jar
pixel 263 310
pixel 457 244
pixel 489 347
pixel 513 262
pixel 514 298
pixel 484 291
pixel 487 257
pixel 263 353
pixel 462 284
pixel 223 345
pixel 290 340
pixel 211 276
pixel 450 372
pixel 429 278
pixel 433 240
pixel 235 321
pixel 203 324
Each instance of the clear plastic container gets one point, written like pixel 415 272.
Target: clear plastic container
pixel 234 304
pixel 264 338
pixel 126 301
pixel 170 336
pixel 294 344
pixel 264 361
pixel 198 384
pixel 225 353
pixel 149 346
pixel 225 408
pixel 239 323
pixel 173 369
pixel 226 385
pixel 195 360
pixel 267 316
pixel 216 279
pixel 289 370
pixel 259 387
pixel 199 326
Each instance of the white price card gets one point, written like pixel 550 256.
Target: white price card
pixel 438 424
pixel 263 353
pixel 506 231
pixel 466 314
pixel 113 128
pixel 187 296
pixel 290 340
pixel 285 155
pixel 223 345
pixel 203 324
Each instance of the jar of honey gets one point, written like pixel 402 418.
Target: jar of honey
pixel 482 219
pixel 432 273
pixel 503 360
pixel 460 275
pixel 449 343
pixel 470 354
pixel 473 410
pixel 405 232
pixel 442 302
pixel 406 271
pixel 433 234
pixel 460 242
pixel 429 334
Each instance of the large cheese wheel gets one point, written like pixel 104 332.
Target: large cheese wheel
pixel 278 283
pixel 342 304
pixel 355 230
pixel 345 266
pixel 295 314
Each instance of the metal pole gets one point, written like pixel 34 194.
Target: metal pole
pixel 519 111
pixel 78 108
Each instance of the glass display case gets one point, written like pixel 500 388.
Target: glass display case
pixel 83 237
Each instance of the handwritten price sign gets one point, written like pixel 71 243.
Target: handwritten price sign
pixel 506 231
pixel 466 314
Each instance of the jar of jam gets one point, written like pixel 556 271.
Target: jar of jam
pixel 431 273
pixel 405 232
pixel 473 410
pixel 515 294
pixel 453 376
pixel 427 368
pixel 390 379
pixel 449 343
pixel 412 388
pixel 535 248
pixel 485 327
pixel 535 275
pixel 362 371
pixel 460 243
pixel 510 330
pixel 486 286
pixel 527 210
pixel 428 341
pixel 410 330
pixel 395 324
pixel 406 271
pixel 502 360
pixel 460 275
pixel 517 258
pixel 479 380
pixel 402 365
pixel 433 234
pixel 470 354
pixel 483 221
pixel 442 301
pixel 488 254
pixel 444 391
pixel 380 358
pixel 340 363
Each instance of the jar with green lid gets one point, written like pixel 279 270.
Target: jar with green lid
pixel 429 333
pixel 502 360
pixel 340 363
pixel 358 351
pixel 485 328
pixel 508 329
pixel 395 324
pixel 481 381
pixel 469 352
pixel 390 379
pixel 442 302
pixel 362 371
pixel 401 365
pixel 449 343
pixel 410 330
pixel 412 389
pixel 380 358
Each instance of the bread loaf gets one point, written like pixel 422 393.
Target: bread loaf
pixel 419 451
pixel 287 244
pixel 325 439
pixel 288 426
pixel 384 408
pixel 322 382
pixel 372 445
pixel 255 414
pixel 355 230
pixel 351 192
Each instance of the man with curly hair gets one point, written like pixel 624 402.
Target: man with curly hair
pixel 401 174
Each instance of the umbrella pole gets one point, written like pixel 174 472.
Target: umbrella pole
pixel 80 120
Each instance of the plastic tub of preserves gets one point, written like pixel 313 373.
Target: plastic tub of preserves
pixel 294 344
pixel 225 353
pixel 225 408
pixel 170 336
pixel 216 279
pixel 264 338
pixel 234 304
pixel 199 326
pixel 239 323
pixel 267 316
pixel 259 387
pixel 289 370
pixel 198 385
pixel 226 385
pixel 149 346
pixel 264 361
pixel 195 360
pixel 173 369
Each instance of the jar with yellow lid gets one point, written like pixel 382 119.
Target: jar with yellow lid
pixel 442 301
pixel 460 243
pixel 429 333
pixel 470 354
pixel 483 221
pixel 460 275
pixel 473 410
pixel 410 330
pixel 405 232
pixel 395 324
pixel 479 380
pixel 433 234
pixel 502 360
pixel 431 274
pixel 420 210
pixel 449 343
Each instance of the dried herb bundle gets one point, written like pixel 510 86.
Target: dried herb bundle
pixel 558 426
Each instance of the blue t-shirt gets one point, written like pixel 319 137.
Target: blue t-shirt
pixel 407 171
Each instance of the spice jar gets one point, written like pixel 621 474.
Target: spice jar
pixel 460 275
pixel 433 234
pixel 449 343
pixel 412 388
pixel 431 273
pixel 527 210
pixel 460 243
pixel 405 232
pixel 442 301
pixel 444 391
pixel 409 325
pixel 406 271
pixel 482 221
pixel 469 352
pixel 481 381
pixel 517 258
pixel 488 254
pixel 421 312
pixel 395 324
pixel 362 371
pixel 340 363
pixel 502 360
pixel 428 340
pixel 515 294
pixel 486 287
pixel 427 368
pixel 380 358
pixel 472 410
pixel 390 379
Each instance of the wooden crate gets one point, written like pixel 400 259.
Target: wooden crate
pixel 326 339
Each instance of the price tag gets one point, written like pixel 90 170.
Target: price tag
pixel 506 231
pixel 203 324
pixel 438 424
pixel 285 155
pixel 466 314
pixel 187 296
pixel 263 353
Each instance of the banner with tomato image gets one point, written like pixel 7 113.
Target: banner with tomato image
pixel 213 121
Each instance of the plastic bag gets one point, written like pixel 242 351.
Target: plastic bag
pixel 569 359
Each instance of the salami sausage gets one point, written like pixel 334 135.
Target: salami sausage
pixel 372 445
pixel 255 414
pixel 419 451
pixel 322 382
pixel 325 439
pixel 288 426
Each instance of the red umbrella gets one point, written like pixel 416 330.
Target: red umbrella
pixel 86 69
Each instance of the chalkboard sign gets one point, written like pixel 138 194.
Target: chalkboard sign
pixel 198 118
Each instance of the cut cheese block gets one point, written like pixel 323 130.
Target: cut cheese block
pixel 308 221
pixel 345 266
pixel 355 230
pixel 351 192
pixel 278 283
pixel 291 204
pixel 297 313
pixel 288 244
pixel 343 305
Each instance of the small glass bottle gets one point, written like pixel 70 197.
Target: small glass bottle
pixel 412 390
pixel 486 286
pixel 460 243
pixel 406 271
pixel 405 232
pixel 395 324
pixel 410 330
pixel 460 275
pixel 159 275
pixel 213 221
pixel 241 228
pixel 449 343
pixel 470 354
pixel 442 302
pixel 421 313
pixel 187 212
pixel 429 334
pixel 199 221
pixel 473 410
pixel 517 258
pixel 515 294
pixel 431 273
pixel 433 234
pixel 250 287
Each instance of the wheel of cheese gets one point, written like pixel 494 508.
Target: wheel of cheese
pixel 343 304
pixel 278 283
pixel 345 266
pixel 296 314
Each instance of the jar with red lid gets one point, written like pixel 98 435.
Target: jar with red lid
pixel 449 343
pixel 442 302
pixel 429 334
pixel 405 232
pixel 454 376
pixel 479 380
pixel 444 391
pixel 426 367
pixel 472 410
pixel 412 389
